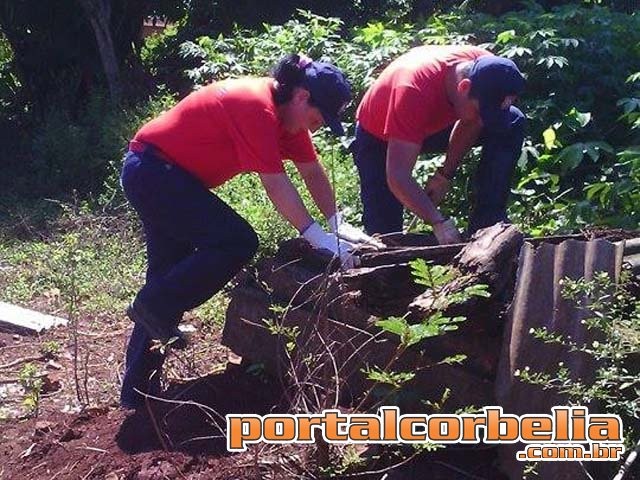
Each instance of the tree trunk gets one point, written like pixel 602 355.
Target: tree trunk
pixel 98 13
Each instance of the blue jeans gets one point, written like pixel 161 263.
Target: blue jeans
pixel 195 244
pixel 492 181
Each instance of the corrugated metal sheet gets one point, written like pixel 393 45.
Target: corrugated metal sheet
pixel 538 303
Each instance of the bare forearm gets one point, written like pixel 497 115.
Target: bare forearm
pixel 401 158
pixel 286 199
pixel 463 136
pixel 319 187
pixel 413 197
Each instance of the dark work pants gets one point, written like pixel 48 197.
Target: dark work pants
pixel 195 244
pixel 492 181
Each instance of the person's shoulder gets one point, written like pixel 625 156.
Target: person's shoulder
pixel 409 63
pixel 467 52
pixel 248 93
pixel 421 64
pixel 419 54
pixel 424 59
pixel 250 88
pixel 476 51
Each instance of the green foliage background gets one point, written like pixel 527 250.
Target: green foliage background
pixel 580 165
pixel 66 230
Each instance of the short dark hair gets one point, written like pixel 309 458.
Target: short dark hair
pixel 465 68
pixel 289 75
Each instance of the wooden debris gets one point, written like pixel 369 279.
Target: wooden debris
pixel 440 255
pixel 336 311
pixel 383 291
pixel 22 320
pixel 18 361
pixel 489 259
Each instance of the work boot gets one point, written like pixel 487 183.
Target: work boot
pixel 155 327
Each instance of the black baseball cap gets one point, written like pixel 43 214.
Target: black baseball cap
pixel 330 93
pixel 492 80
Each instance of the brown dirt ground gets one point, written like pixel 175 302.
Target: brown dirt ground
pixel 107 442
pixel 104 440
pixel 165 440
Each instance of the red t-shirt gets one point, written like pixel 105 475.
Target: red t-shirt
pixel 227 128
pixel 408 101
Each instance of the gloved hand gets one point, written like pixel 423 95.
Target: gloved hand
pixel 437 187
pixel 446 232
pixel 318 238
pixel 348 232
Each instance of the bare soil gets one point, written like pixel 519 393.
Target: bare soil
pixel 164 440
pixel 177 438
pixel 161 441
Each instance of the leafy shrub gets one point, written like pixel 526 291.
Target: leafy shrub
pixel 9 83
pixel 578 61
pixel 583 170
pixel 80 152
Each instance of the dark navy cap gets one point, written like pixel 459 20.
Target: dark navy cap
pixel 493 79
pixel 330 93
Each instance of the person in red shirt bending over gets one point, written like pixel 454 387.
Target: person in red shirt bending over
pixel 438 98
pixel 195 242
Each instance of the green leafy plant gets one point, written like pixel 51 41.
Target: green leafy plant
pixel 31 382
pixel 51 349
pixel 434 278
pixel 288 334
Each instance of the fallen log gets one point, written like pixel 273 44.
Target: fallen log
pixel 440 255
pixel 333 353
pixel 384 290
pixel 489 259
pixel 291 284
pixel 333 313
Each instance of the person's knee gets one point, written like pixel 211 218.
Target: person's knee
pixel 239 242
pixel 252 243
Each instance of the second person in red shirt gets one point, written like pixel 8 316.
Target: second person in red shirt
pixel 437 99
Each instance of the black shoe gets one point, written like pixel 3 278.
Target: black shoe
pixel 140 314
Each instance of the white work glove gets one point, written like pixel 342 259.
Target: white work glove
pixel 351 234
pixel 446 232
pixel 437 187
pixel 318 238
